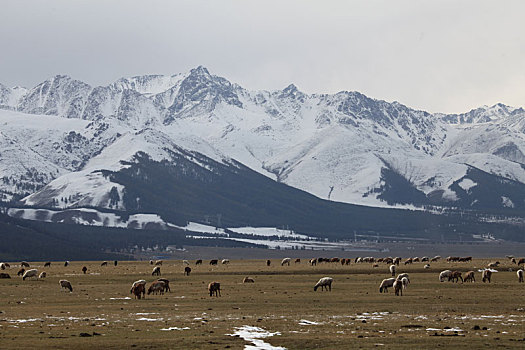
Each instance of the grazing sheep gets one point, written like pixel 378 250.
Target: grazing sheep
pixel 392 269
pixel 486 275
pixel 225 261
pixel 425 259
pixel 24 264
pixel 2 266
pixel 397 260
pixel 158 262
pixel 156 271
pixel 157 287
pixel 435 259
pixel 469 277
pixel 104 263
pixel 166 284
pixel 139 289
pixel 248 280
pixel 135 285
pixel 493 264
pixel 187 271
pixel 398 287
pixel 408 261
pixel 198 262
pixel 427 266
pixel 388 282
pixel 214 262
pixel 65 285
pixel 405 282
pixel 444 274
pixel 268 262
pixel 297 261
pixel 403 275
pixel 30 273
pixel 455 276
pixel 21 272
pixel 4 275
pixel 151 262
pixel 185 262
pixel 313 262
pixel 325 283
pixel 47 264
pixel 286 261
pixel 43 274
pixel 214 287
pixel 520 275
pixel 416 259
pixel 66 263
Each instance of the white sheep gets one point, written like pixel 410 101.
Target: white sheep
pixel 403 275
pixel 405 282
pixel 65 284
pixel 444 274
pixel 325 282
pixel 30 273
pixel 427 266
pixel 286 261
pixel 520 275
pixel 388 282
pixel 392 269
pixel 225 261
pixel 136 283
pixel 398 287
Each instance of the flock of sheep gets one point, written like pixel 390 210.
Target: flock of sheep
pixel 399 283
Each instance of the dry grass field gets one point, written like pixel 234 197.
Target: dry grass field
pixel 101 313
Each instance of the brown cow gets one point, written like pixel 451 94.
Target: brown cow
pixel 214 287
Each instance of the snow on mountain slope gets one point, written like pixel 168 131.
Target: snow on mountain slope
pixel 344 147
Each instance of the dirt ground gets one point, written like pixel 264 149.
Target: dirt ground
pixel 280 309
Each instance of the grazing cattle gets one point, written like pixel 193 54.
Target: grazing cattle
pixel 397 260
pixel 187 270
pixel 248 280
pixel 408 261
pixel 158 262
pixel 24 264
pixel 297 261
pixel 166 284
pixel 455 276
pixel 520 275
pixel 64 284
pixel 84 270
pixel 4 275
pixel 214 287
pixel 30 273
pixel 334 260
pixel 21 272
pixel 416 259
pixel 156 271
pixel 66 263
pixel 486 276
pixel 313 262
pixel 286 261
pixel 43 274
pixel 425 259
pixel 47 264
pixel 325 283
pixel 198 262
pixel 268 262
pixel 157 287
pixel 493 264
pixel 139 290
pixel 388 282
pixel 435 259
pixel 469 277
pixel 104 263
pixel 214 262
pixel 521 261
pixel 225 261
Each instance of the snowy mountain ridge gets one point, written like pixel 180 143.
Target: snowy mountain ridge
pixel 60 138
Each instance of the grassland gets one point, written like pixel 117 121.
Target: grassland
pixel 37 314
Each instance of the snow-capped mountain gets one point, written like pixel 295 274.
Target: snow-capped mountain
pixel 61 140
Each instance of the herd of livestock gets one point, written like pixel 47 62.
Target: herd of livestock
pixel 398 283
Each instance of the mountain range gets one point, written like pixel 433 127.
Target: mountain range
pixel 65 145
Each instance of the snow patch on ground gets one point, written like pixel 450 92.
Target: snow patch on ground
pixel 254 335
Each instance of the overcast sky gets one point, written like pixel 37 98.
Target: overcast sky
pixel 440 56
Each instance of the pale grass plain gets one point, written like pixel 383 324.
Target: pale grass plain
pixel 38 314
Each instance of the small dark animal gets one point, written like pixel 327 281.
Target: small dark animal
pixel 21 272
pixel 4 275
pixel 104 263
pixel 115 262
pixel 66 263
pixel 47 264
pixel 214 287
pixel 268 262
pixel 187 271
pixel 214 262
pixel 84 270
pixel 198 262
